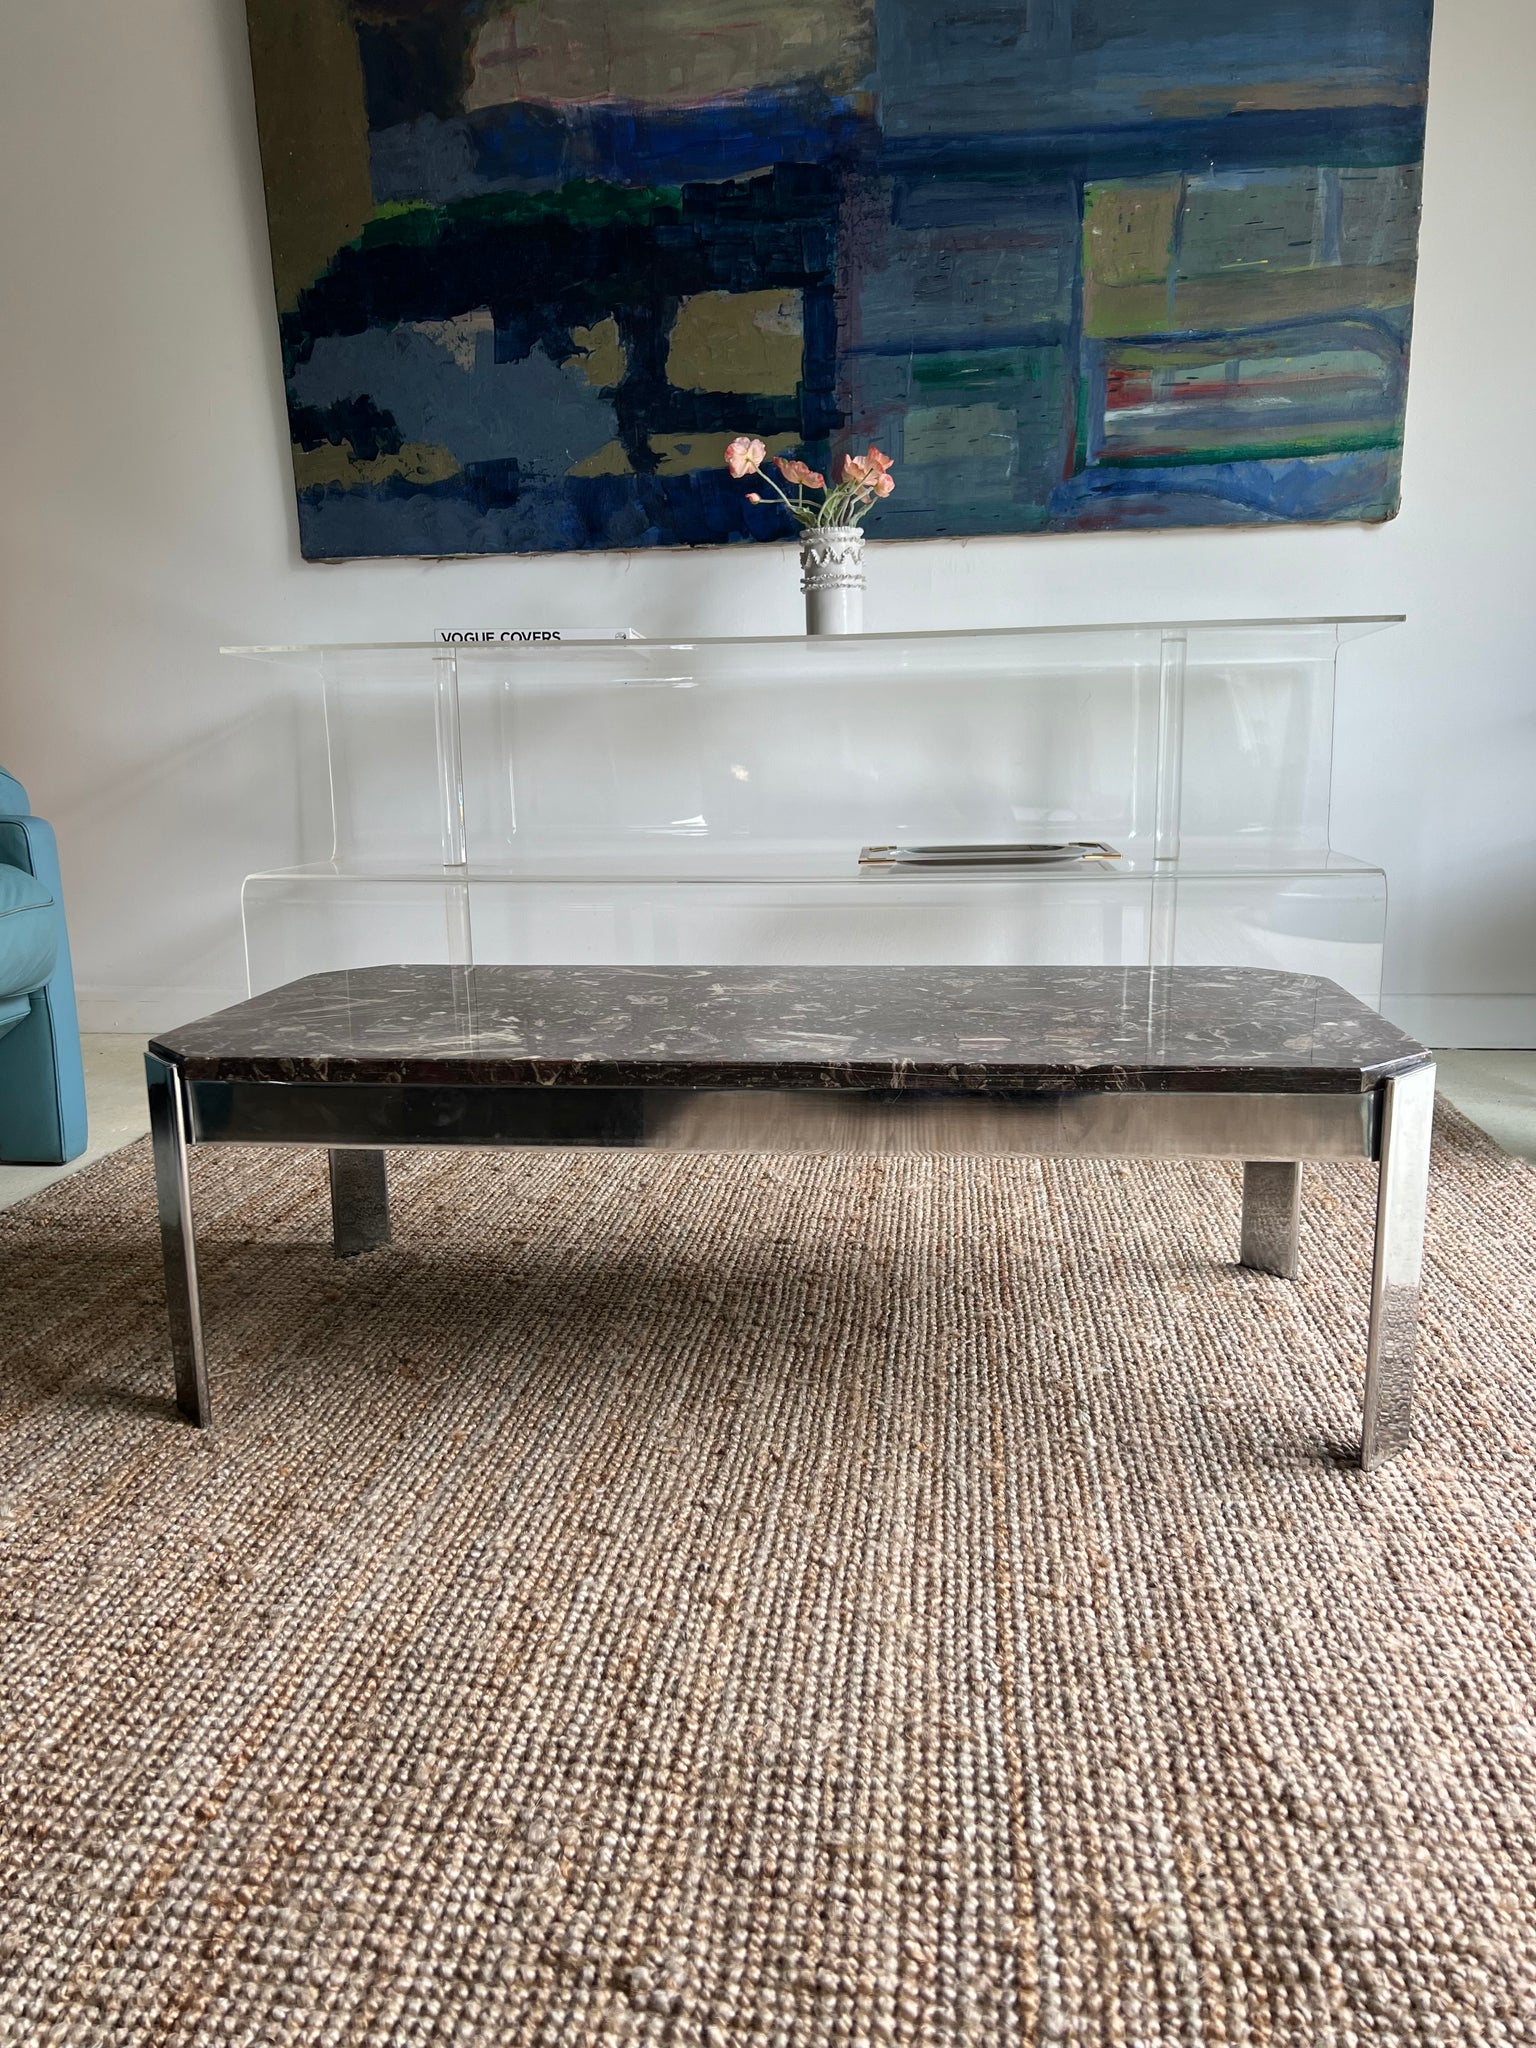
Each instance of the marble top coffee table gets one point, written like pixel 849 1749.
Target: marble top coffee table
pixel 1174 1063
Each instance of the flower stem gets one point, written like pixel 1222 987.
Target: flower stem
pixel 842 505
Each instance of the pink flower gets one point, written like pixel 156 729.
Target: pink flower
pixel 745 456
pixel 868 470
pixel 756 498
pixel 883 485
pixel 799 474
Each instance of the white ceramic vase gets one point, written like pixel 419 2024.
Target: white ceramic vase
pixel 832 577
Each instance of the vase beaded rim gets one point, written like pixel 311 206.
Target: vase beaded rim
pixel 832 558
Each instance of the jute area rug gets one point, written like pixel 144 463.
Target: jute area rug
pixel 788 1602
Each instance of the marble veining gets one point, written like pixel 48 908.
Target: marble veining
pixel 935 1029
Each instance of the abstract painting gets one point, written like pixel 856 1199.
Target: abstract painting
pixel 1074 264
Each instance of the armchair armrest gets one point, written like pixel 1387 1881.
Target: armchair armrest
pixel 42 1081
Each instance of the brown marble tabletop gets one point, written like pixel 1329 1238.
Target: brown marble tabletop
pixel 946 1030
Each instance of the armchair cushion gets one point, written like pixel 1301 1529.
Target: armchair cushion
pixel 30 924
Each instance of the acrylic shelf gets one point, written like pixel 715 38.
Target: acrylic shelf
pixel 706 801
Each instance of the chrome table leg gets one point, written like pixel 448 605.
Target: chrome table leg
pixel 168 1125
pixel 1407 1120
pixel 359 1202
pixel 1271 1216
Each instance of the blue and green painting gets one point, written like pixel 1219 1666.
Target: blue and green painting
pixel 1074 264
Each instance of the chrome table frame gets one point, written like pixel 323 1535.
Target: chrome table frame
pixel 1271 1133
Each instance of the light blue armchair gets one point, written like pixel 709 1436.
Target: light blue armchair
pixel 42 1085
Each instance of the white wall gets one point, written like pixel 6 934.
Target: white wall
pixel 146 517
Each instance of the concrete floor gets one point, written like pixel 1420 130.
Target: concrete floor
pixel 1495 1089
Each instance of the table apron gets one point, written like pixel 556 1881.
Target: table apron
pixel 1127 1125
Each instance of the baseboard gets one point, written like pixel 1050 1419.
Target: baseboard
pixel 149 1009
pixel 1466 1023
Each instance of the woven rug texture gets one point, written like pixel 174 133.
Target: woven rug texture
pixel 764 1601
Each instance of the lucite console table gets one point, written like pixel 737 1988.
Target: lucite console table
pixel 646 802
